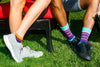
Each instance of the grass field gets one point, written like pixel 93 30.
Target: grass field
pixel 63 56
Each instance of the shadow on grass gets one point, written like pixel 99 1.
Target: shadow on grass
pixel 37 36
pixel 5 51
pixel 75 26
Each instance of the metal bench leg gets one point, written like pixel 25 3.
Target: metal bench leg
pixel 49 40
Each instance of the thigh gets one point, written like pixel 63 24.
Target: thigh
pixel 56 3
pixel 84 4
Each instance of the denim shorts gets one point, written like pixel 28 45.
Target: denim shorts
pixel 71 5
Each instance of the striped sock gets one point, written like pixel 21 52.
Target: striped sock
pixel 18 38
pixel 68 32
pixel 85 34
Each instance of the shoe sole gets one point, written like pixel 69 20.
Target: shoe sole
pixel 6 40
pixel 34 56
pixel 74 49
pixel 38 56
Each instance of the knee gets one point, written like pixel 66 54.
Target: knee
pixel 47 1
pixel 17 4
pixel 94 2
pixel 44 2
pixel 56 4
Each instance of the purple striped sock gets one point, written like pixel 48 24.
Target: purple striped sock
pixel 84 37
pixel 69 34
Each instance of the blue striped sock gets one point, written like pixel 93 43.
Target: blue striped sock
pixel 68 32
pixel 85 34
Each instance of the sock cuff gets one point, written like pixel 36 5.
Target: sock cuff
pixel 19 37
pixel 71 39
pixel 85 29
pixel 65 27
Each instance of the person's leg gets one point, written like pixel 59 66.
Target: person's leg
pixel 89 17
pixel 13 41
pixel 15 17
pixel 59 12
pixel 88 23
pixel 33 13
pixel 60 15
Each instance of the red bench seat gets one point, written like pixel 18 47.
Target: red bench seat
pixel 5 7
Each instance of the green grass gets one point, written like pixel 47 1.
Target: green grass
pixel 63 56
pixel 3 1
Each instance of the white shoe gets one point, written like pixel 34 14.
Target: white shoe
pixel 13 46
pixel 27 52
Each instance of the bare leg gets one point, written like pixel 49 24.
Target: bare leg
pixel 89 17
pixel 15 40
pixel 59 12
pixel 32 14
pixel 15 17
pixel 60 15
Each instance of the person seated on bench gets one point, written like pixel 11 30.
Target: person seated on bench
pixel 19 27
pixel 61 7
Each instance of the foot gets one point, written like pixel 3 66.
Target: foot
pixel 89 46
pixel 13 46
pixel 75 42
pixel 27 52
pixel 81 51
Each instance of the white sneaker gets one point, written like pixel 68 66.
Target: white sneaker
pixel 13 46
pixel 27 52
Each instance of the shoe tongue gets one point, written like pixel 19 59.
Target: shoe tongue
pixel 82 47
pixel 20 46
pixel 26 49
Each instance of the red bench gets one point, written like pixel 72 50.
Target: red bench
pixel 43 23
pixel 4 10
